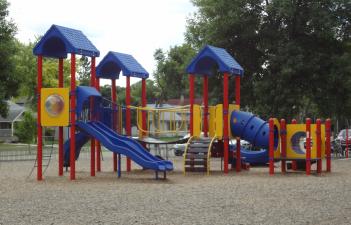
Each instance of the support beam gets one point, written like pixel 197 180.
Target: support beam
pixel 40 131
pixel 98 145
pixel 271 146
pixel 92 117
pixel 60 141
pixel 283 144
pixel 128 117
pixel 143 104
pixel 327 144
pixel 73 119
pixel 191 102
pixel 308 146
pixel 205 101
pixel 225 123
pixel 114 117
pixel 294 163
pixel 319 146
pixel 237 101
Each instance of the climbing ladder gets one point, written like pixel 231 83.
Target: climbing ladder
pixel 48 147
pixel 197 155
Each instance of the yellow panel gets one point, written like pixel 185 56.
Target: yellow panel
pixel 231 108
pixel 212 121
pixel 219 121
pixel 277 150
pixel 54 106
pixel 295 140
pixel 196 120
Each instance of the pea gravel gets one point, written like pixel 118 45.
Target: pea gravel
pixel 249 197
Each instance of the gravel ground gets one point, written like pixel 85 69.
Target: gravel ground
pixel 249 197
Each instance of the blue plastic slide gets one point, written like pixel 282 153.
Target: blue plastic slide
pixel 254 130
pixel 81 139
pixel 125 146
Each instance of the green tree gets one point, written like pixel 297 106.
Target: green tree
pixel 170 75
pixel 8 81
pixel 26 129
pixel 84 71
pixel 26 69
pixel 296 54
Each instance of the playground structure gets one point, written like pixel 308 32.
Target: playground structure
pixel 91 117
pixel 298 143
pixel 87 108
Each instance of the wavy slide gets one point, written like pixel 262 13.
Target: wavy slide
pixel 125 146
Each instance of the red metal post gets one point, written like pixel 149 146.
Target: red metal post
pixel 347 143
pixel 143 104
pixel 40 130
pixel 237 90
pixel 319 146
pixel 205 100
pixel 294 163
pixel 128 117
pixel 191 101
pixel 308 146
pixel 271 146
pixel 92 140
pixel 225 119
pixel 114 117
pixel 283 144
pixel 237 101
pixel 73 119
pixel 60 141
pixel 327 144
pixel 98 144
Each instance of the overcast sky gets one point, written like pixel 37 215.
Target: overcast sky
pixel 136 27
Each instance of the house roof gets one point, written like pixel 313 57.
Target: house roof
pixel 58 41
pixel 14 112
pixel 211 56
pixel 114 62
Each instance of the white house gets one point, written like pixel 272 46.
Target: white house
pixel 7 124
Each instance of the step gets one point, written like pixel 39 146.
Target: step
pixel 197 150
pixel 197 163
pixel 201 141
pixel 195 169
pixel 198 145
pixel 196 156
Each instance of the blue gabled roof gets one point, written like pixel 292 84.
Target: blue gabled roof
pixel 114 62
pixel 58 41
pixel 210 56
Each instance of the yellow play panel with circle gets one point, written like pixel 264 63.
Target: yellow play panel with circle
pixel 54 107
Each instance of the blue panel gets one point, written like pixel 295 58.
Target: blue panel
pixel 58 41
pixel 83 94
pixel 210 57
pixel 114 62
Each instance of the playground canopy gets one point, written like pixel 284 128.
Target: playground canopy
pixel 83 94
pixel 211 56
pixel 58 41
pixel 114 62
